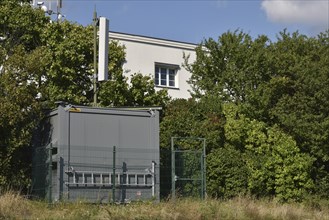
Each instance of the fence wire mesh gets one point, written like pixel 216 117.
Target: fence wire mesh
pixel 188 173
pixel 41 172
pixel 188 167
pixel 96 174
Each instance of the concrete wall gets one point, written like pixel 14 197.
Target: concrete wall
pixel 143 52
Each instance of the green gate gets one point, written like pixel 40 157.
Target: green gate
pixel 188 167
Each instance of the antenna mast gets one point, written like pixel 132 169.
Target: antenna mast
pixel 95 57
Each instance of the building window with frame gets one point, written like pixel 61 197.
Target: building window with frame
pixel 165 75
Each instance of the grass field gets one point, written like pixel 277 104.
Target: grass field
pixel 14 206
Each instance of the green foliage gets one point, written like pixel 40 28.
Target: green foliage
pixel 227 174
pixel 256 158
pixel 143 92
pixel 68 76
pixel 20 66
pixel 191 118
pixel 275 164
pixel 20 25
pixel 301 108
pixel 230 67
pixel 140 92
pixel 118 92
pixel 188 167
pixel 19 116
pixel 115 92
pixel 262 106
pixel 279 122
pixel 42 62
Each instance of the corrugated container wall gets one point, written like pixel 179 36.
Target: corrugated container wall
pixel 97 155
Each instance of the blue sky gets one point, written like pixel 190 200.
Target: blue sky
pixel 193 20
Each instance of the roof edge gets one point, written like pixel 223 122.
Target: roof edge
pixel 152 40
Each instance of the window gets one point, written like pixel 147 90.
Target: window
pixel 165 75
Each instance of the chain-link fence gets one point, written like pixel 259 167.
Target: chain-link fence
pixel 119 174
pixel 42 171
pixel 165 174
pixel 188 167
pixel 183 168
pixel 96 174
pixel 188 173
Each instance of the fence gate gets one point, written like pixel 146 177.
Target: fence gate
pixel 188 167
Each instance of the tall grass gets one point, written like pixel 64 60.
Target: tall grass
pixel 14 206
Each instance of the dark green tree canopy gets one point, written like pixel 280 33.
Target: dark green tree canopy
pixel 42 62
pixel 262 106
pixel 278 126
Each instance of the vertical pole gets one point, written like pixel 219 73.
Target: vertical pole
pixel 58 12
pixel 153 179
pixel 202 176
pixel 50 187
pixel 204 170
pixel 113 179
pixel 69 141
pixel 69 151
pixel 61 178
pixel 95 58
pixel 173 176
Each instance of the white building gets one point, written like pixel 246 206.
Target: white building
pixel 160 58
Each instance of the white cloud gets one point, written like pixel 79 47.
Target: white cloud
pixel 222 3
pixel 314 13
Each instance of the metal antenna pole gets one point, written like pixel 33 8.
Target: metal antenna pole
pixel 58 12
pixel 95 58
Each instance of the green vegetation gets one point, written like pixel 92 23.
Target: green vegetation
pixel 13 206
pixel 264 109
pixel 262 106
pixel 43 62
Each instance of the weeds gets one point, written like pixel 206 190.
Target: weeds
pixel 15 206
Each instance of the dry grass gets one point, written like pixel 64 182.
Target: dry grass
pixel 14 206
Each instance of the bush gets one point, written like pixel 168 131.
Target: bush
pixel 227 173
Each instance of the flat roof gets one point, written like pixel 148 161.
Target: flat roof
pixel 151 40
pixel 78 108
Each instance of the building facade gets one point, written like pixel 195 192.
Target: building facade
pixel 160 58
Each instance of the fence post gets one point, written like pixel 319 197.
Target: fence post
pixel 204 170
pixel 202 175
pixel 61 177
pixel 113 179
pixel 50 166
pixel 153 178
pixel 173 175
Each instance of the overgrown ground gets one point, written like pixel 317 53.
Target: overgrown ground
pixel 14 206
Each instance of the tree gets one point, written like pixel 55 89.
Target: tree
pixel 230 68
pixel 20 65
pixel 20 25
pixel 42 62
pixel 282 85
pixel 143 93
pixel 227 173
pixel 68 76
pixel 275 164
pixel 301 109
pixel 119 92
pixel 189 118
